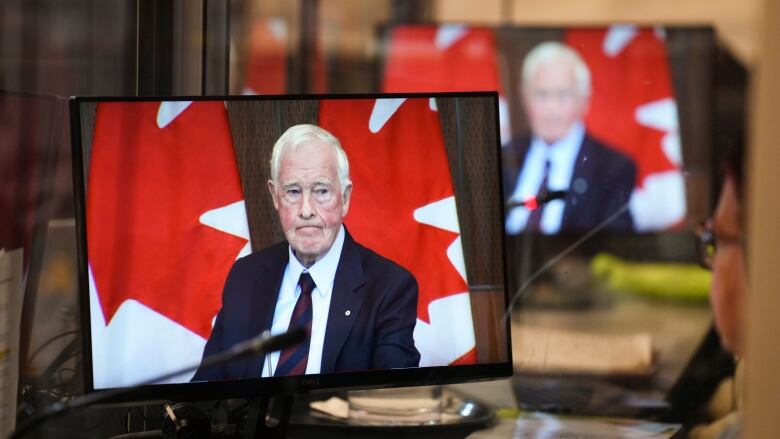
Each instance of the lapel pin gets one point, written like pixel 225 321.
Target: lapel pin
pixel 347 312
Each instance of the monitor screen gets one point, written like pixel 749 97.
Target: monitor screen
pixel 375 222
pixel 606 134
pixel 599 124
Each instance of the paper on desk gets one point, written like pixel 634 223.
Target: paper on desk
pixel 568 351
pixel 334 406
pixel 546 426
pixel 10 315
pixel 338 408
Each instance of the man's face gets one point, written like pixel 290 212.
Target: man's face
pixel 308 199
pixel 729 279
pixel 551 100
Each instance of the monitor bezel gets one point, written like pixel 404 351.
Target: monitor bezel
pixel 273 386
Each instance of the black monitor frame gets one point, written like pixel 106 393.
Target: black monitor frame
pixel 261 387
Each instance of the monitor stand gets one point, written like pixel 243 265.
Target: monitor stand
pixel 461 416
pixel 268 417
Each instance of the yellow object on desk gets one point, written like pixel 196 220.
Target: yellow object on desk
pixel 673 281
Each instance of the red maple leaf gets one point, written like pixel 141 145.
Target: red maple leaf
pixel 147 187
pixel 417 62
pixel 394 172
pixel 637 75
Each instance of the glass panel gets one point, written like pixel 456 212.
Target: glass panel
pixel 664 100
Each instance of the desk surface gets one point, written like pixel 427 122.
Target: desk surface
pixel 676 331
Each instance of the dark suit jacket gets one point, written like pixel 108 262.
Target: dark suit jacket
pixel 601 184
pixel 377 334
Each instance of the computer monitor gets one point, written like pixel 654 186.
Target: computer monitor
pixel 607 131
pixel 190 243
pixel 636 173
pixel 629 94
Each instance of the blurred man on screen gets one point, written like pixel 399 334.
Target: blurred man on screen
pixel 359 308
pixel 595 181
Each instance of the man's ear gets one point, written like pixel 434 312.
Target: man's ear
pixel 272 190
pixel 345 198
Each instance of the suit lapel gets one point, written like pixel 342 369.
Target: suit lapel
pixel 346 296
pixel 264 297
pixel 513 157
pixel 583 170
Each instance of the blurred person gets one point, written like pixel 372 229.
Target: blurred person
pixel 721 246
pixel 593 181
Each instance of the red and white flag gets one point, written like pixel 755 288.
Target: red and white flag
pixel 165 222
pixel 403 207
pixel 446 58
pixel 633 108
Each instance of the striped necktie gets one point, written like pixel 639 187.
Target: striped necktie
pixel 293 359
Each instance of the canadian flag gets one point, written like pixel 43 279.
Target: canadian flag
pixel 403 207
pixel 633 108
pixel 165 222
pixel 451 57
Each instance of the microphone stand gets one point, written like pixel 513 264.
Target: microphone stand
pixel 258 345
pixel 523 246
pixel 547 265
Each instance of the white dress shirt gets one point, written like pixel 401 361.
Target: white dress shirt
pixel 562 156
pixel 323 272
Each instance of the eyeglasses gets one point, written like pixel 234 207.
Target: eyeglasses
pixel 707 242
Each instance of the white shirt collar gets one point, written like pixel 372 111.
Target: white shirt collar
pixel 563 157
pixel 323 271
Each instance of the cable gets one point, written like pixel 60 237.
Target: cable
pixel 47 343
pixel 558 257
pixel 66 369
pixel 129 412
pixel 256 346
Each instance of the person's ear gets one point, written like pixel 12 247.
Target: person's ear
pixel 272 190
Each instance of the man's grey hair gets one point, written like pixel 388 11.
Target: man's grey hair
pixel 295 136
pixel 555 51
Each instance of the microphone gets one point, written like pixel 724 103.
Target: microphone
pixel 533 203
pixel 258 345
pixel 255 346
